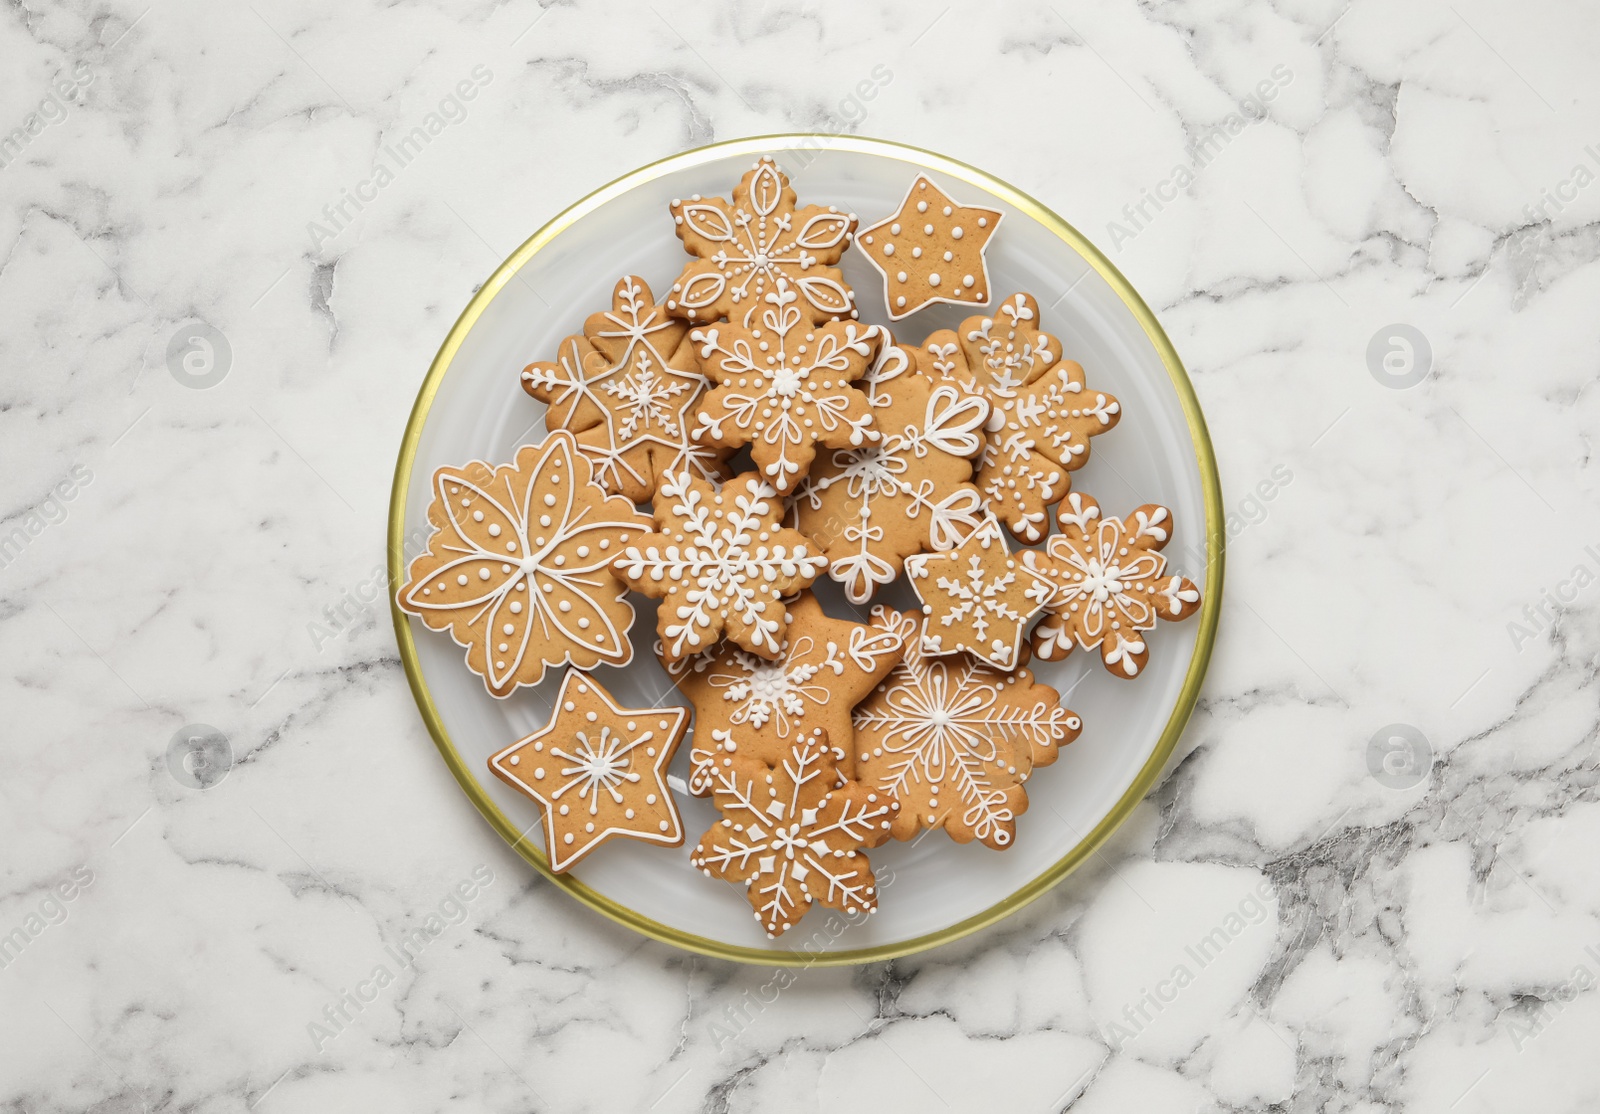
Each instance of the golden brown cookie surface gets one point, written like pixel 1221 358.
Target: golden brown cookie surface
pixel 518 569
pixel 931 250
pixel 598 770
pixel 978 597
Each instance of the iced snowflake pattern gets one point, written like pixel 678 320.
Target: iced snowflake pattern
pixel 978 597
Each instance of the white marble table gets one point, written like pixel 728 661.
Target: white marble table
pixel 1412 926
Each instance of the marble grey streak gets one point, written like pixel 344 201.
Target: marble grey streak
pixel 1362 946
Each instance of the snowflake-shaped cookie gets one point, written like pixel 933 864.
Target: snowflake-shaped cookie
pixel 793 834
pixel 629 388
pixel 1042 413
pixel 931 250
pixel 598 770
pixel 1108 584
pixel 719 562
pixel 785 386
pixel 953 740
pixel 873 507
pixel 746 245
pixel 748 705
pixel 978 597
pixel 518 569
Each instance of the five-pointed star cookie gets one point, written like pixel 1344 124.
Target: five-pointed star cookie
pixel 628 386
pixel 745 246
pixel 598 770
pixel 953 739
pixel 978 597
pixel 748 705
pixel 931 250
pixel 1042 412
pixel 1108 584
pixel 793 834
pixel 719 562
pixel 518 568
pixel 785 386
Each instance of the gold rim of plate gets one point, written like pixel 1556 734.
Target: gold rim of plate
pixel 1146 778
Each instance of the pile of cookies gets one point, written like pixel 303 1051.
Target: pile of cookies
pixel 817 737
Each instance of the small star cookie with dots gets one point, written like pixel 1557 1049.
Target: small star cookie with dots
pixel 932 250
pixel 745 246
pixel 720 563
pixel 978 597
pixel 1042 412
pixel 598 770
pixel 518 569
pixel 629 388
pixel 793 834
pixel 1109 584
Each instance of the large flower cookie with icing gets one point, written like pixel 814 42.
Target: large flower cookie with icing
pixel 909 492
pixel 1109 584
pixel 745 246
pixel 978 597
pixel 953 739
pixel 748 705
pixel 598 770
pixel 793 834
pixel 720 563
pixel 629 387
pixel 785 386
pixel 518 568
pixel 1042 410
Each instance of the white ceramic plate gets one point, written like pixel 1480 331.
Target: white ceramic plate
pixel 472 407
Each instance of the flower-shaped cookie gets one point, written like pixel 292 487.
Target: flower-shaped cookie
pixel 748 705
pixel 746 245
pixel 871 508
pixel 953 740
pixel 518 568
pixel 629 388
pixel 1042 413
pixel 1109 585
pixel 793 834
pixel 931 250
pixel 719 562
pixel 598 770
pixel 785 386
pixel 978 597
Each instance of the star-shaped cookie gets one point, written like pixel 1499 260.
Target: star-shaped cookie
pixel 719 562
pixel 931 250
pixel 598 770
pixel 978 597
pixel 747 705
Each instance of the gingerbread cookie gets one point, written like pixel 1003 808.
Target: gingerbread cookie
pixel 598 770
pixel 746 245
pixel 518 568
pixel 719 562
pixel 978 597
pixel 953 740
pixel 872 507
pixel 931 250
pixel 785 385
pixel 1042 413
pixel 1108 584
pixel 748 705
pixel 793 834
pixel 629 388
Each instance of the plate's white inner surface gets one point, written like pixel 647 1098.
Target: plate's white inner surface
pixel 482 413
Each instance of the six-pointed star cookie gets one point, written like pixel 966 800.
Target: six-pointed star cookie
pixel 978 597
pixel 518 568
pixel 1109 585
pixel 931 250
pixel 628 386
pixel 598 770
pixel 719 562
pixel 953 739
pixel 748 705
